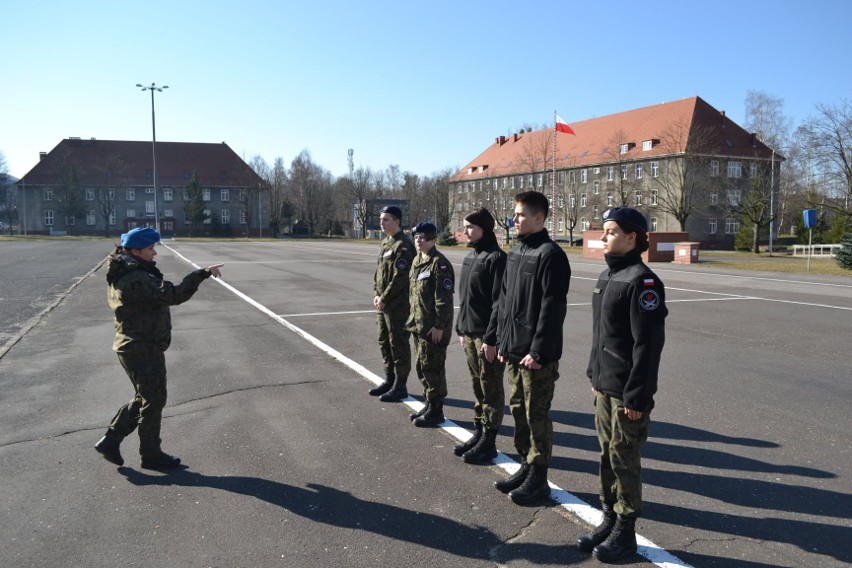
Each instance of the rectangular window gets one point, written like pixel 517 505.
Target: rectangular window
pixel 584 223
pixel 205 194
pixel 48 218
pixel 735 169
pixel 560 201
pixel 90 218
pixel 582 200
pixel 752 170
pixel 714 198
pixel 647 145
pixel 112 217
pixel 168 194
pixel 584 175
pixel 242 196
pixel 714 168
pixel 529 180
pixel 637 198
pixel 560 177
pixel 186 195
pixel 596 171
pixel 90 194
pixel 225 195
pixel 655 169
pixel 168 213
pixel 511 182
pixel 572 177
pixel 654 195
pixel 131 213
pixel 48 196
pixel 594 211
pixel 610 173
pixel 572 201
pixel 731 226
pixel 653 226
pixel 623 148
pixel 624 171
pixel 734 197
pixel 243 217
pixel 541 180
pixel 712 228
pixel 149 190
pixel 226 216
pixel 130 194
pixel 207 217
pixel 609 199
pixel 596 187
pixel 520 182
pixel 149 207
pixel 70 221
pixel 111 194
pixel 638 171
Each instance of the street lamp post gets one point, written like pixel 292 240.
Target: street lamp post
pixel 153 88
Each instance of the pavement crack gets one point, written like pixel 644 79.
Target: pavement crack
pixel 494 552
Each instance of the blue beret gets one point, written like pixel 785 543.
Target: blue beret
pixel 139 238
pixel 425 227
pixel 626 215
pixel 392 210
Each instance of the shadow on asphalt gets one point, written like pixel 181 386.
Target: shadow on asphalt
pixel 330 506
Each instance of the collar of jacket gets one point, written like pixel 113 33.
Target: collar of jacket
pixel 535 239
pixel 618 262
pixel 488 241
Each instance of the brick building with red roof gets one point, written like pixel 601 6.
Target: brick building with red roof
pixel 684 164
pixel 98 187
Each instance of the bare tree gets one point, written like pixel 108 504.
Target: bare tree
pixel 764 115
pixel 249 198
pixel 358 190
pixel 684 180
pixel 755 209
pixel 536 156
pixel 829 135
pixel 280 207
pixel 310 185
pixel 8 195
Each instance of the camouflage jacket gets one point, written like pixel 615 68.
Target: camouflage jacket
pixel 391 278
pixel 140 299
pixel 431 294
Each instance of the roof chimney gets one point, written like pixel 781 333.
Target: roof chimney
pixel 41 156
pixel 722 118
pixel 754 139
pixel 515 137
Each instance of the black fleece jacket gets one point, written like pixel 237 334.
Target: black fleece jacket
pixel 479 290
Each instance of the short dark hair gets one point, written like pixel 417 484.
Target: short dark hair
pixel 535 202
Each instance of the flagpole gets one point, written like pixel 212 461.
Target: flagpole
pixel 553 177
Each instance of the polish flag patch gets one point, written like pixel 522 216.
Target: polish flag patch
pixel 648 282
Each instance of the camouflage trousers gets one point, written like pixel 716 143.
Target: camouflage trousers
pixel 393 341
pixel 147 371
pixel 530 396
pixel 487 382
pixel 431 366
pixel 620 469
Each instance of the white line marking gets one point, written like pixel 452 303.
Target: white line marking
pixel 567 500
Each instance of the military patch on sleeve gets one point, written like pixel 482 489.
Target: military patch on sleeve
pixel 649 300
pixel 448 284
pixel 402 264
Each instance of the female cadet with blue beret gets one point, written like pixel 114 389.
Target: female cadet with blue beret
pixel 140 298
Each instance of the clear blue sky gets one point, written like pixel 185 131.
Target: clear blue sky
pixel 425 85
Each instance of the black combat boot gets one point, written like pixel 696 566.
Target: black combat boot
pixel 515 480
pixel 485 449
pixel 621 541
pixel 588 542
pixel 384 387
pixel 533 488
pixel 161 460
pixel 108 448
pixel 420 412
pixel 398 392
pixel 464 447
pixel 433 416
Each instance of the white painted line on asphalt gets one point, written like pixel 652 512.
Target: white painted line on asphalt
pixel 565 499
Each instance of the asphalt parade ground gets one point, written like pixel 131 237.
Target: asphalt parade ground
pixel 292 464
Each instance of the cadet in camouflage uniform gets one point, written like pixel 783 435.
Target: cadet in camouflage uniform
pixel 391 303
pixel 431 321
pixel 140 299
pixel 533 303
pixel 476 324
pixel 628 322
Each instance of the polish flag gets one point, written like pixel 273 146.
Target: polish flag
pixel 562 126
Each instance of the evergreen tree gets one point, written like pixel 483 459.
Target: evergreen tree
pixel 194 204
pixel 446 238
pixel 844 255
